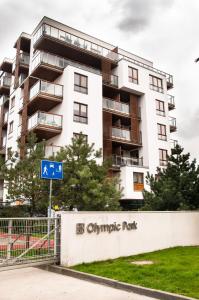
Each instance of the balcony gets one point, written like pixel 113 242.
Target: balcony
pixel 169 79
pixel 110 80
pixel 171 102
pixel 5 83
pixel 47 66
pixel 5 120
pixel 121 161
pixel 172 124
pixel 22 77
pixel 121 134
pixel 44 96
pixel 71 46
pixel 24 62
pixel 4 100
pixel 126 136
pixel 115 106
pixel 45 125
pixel 3 145
pixel 173 143
pixel 6 65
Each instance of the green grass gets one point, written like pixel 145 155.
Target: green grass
pixel 175 270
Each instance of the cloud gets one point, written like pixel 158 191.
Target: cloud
pixel 135 15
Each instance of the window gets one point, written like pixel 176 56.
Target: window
pixel 160 108
pixel 80 113
pixel 138 181
pixel 163 157
pixel 133 75
pixel 81 83
pixel 155 84
pixel 12 104
pixel 162 135
pixel 11 127
pixel 77 135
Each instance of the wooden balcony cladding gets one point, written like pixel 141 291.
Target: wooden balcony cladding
pixel 45 125
pixel 135 117
pixel 107 143
pixel 138 187
pixel 47 66
pixel 6 65
pixel 44 96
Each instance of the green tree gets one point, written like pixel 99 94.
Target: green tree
pixel 175 187
pixel 22 177
pixel 85 184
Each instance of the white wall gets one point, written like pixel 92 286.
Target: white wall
pixel 155 231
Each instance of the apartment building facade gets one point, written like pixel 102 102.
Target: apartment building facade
pixel 63 82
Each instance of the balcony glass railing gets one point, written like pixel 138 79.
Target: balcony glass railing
pixel 46 88
pixel 5 117
pixel 173 143
pixel 4 99
pixel 127 161
pixel 172 122
pixel 24 58
pixel 110 79
pixel 66 37
pixel 5 79
pixel 122 134
pixel 4 140
pixel 171 101
pixel 46 119
pixel 115 105
pixel 49 59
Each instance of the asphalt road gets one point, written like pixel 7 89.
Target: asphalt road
pixel 36 284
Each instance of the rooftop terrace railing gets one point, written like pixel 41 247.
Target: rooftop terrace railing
pixel 71 39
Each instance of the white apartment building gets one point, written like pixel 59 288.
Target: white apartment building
pixel 63 82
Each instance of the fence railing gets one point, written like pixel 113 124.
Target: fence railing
pixel 127 161
pixel 28 240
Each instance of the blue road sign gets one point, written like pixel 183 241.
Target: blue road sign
pixel 51 169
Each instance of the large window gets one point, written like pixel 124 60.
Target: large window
pixel 138 181
pixel 162 134
pixel 80 113
pixel 163 157
pixel 160 110
pixel 156 84
pixel 81 83
pixel 133 75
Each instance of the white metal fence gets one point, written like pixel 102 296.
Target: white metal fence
pixel 29 240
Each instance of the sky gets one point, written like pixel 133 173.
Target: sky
pixel 163 31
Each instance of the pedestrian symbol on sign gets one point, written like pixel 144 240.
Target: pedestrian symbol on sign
pixel 51 169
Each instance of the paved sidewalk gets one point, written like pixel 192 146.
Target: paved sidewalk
pixel 36 284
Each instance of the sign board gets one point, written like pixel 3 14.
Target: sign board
pixel 51 169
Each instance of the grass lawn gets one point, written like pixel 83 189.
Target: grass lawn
pixel 175 270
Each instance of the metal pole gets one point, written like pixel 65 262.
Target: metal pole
pixel 49 213
pixel 50 199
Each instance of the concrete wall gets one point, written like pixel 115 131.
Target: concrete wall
pixel 155 230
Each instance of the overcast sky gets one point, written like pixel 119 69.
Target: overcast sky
pixel 164 31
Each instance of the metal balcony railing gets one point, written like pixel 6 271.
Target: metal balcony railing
pixel 24 58
pixel 171 101
pixel 172 121
pixel 49 59
pixel 173 143
pixel 122 134
pixel 46 88
pixel 44 119
pixel 110 79
pixel 5 79
pixel 116 106
pixel 127 161
pixel 68 38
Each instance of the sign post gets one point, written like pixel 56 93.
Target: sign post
pixel 51 170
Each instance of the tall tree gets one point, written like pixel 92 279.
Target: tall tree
pixel 175 187
pixel 22 177
pixel 85 184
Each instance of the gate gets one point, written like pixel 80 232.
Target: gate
pixel 29 241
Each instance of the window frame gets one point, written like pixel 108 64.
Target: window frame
pixel 11 126
pixel 163 158
pixel 156 83
pixel 79 87
pixel 160 111
pixel 132 78
pixel 78 117
pixel 162 132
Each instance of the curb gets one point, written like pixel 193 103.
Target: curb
pixel 114 283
